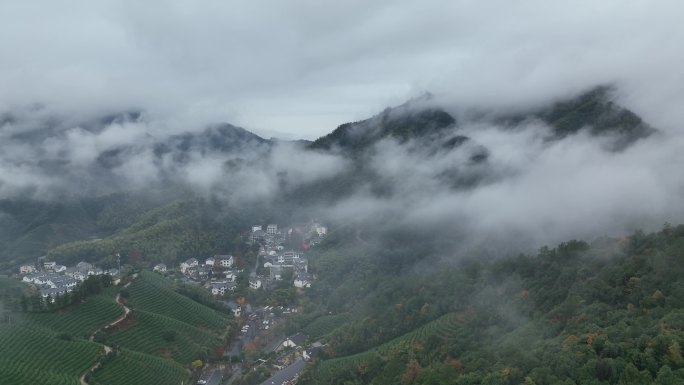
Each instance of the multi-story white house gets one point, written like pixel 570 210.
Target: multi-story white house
pixel 192 262
pixel 27 269
pixel 254 283
pixel 220 288
pixel 224 260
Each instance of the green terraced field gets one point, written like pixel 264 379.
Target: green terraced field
pixel 446 327
pixel 147 335
pixel 133 368
pixel 33 356
pixel 151 293
pixel 79 321
pixel 324 325
pixel 51 348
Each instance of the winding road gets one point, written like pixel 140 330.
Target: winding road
pixel 107 349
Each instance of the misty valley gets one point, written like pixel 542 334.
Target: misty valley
pixel 428 244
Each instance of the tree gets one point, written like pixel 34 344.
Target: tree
pixel 630 375
pixel 412 372
pixel 666 377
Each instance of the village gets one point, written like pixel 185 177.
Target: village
pixel 274 263
pixel 52 280
pixel 278 265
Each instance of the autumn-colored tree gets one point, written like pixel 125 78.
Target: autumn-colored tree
pixel 135 257
pixel 674 352
pixel 455 363
pixel 413 370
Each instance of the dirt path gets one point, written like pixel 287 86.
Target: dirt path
pixel 127 310
pixel 107 349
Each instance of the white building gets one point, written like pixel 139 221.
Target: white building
pixel 254 283
pixel 221 288
pixel 234 307
pixel 295 340
pixel 160 267
pixel 36 278
pixel 224 260
pixel 272 229
pixel 320 229
pixel 256 228
pixel 209 262
pixel 302 280
pixel 52 293
pixel 192 262
pixel 27 269
pixel 230 275
pixel 49 265
pixel 256 236
pixel 62 282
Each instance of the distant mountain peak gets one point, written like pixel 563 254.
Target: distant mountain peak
pixel 412 119
pixel 594 110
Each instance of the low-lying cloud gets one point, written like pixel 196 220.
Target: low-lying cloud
pixel 528 192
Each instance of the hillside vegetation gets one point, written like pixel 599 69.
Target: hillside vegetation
pixel 31 356
pixel 155 343
pixel 132 368
pixel 171 234
pixel 609 312
pixel 153 293
pixel 168 324
pixel 30 228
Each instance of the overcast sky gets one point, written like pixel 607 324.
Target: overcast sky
pixel 298 69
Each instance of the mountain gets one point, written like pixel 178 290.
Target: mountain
pixel 90 186
pixel 218 140
pixel 410 120
pixel 594 110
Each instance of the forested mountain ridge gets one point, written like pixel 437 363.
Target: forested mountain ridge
pixel 609 312
pixel 593 109
pixel 122 180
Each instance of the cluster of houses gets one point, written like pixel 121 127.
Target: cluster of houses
pixel 311 233
pixel 271 235
pixel 278 263
pixel 277 260
pixel 218 273
pixel 53 280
